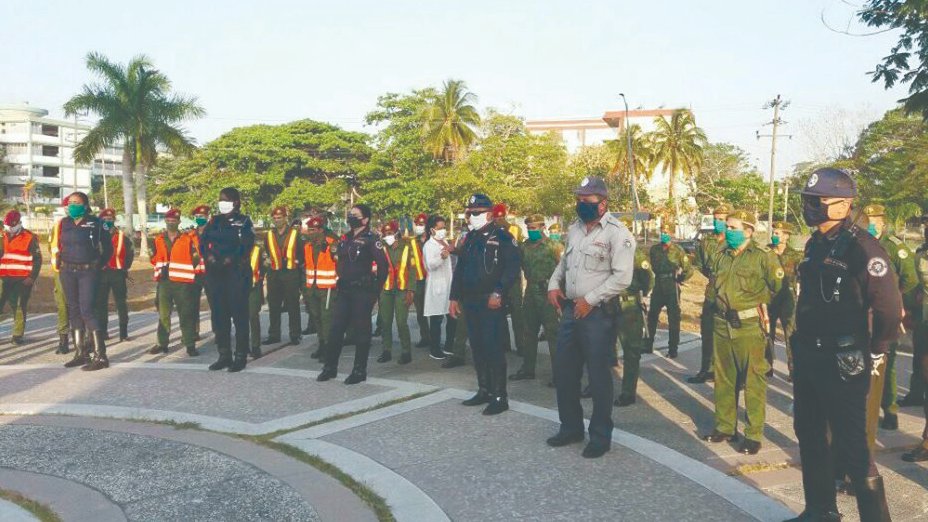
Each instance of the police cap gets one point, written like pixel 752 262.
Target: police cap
pixel 592 186
pixel 830 183
pixel 479 201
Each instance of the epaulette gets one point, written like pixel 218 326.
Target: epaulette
pixel 895 240
pixel 762 247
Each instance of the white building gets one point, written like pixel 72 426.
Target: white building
pixel 40 149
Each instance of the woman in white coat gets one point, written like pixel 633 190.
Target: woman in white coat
pixel 437 253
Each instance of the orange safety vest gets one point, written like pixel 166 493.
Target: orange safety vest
pixel 118 259
pixel 397 278
pixel 255 265
pixel 274 249
pixel 55 244
pixel 322 273
pixel 17 259
pixel 419 259
pixel 179 261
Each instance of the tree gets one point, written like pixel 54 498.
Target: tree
pixel 726 175
pixel 449 121
pixel 907 61
pixel 641 152
pixel 677 145
pixel 136 107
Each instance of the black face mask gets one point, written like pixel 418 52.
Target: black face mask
pixel 587 211
pixel 354 221
pixel 814 212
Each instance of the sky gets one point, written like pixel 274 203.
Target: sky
pixel 275 61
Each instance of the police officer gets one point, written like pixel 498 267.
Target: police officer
pixel 747 275
pixel 61 307
pixel 359 252
pixel 20 264
pixel 201 218
pixel 225 246
pixel 632 324
pixel 283 247
pixel 671 268
pixel 319 291
pixel 847 287
pixel 418 243
pixel 513 300
pixel 487 269
pixel 782 308
pixel 596 267
pixel 113 277
pixel 84 246
pixel 258 265
pixel 540 257
pixel 175 265
pixel 398 292
pixel 902 261
pixel 920 348
pixel 705 249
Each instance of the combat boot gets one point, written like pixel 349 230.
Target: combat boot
pixel 99 360
pixel 62 344
pixel 483 395
pixel 499 402
pixel 238 362
pixel 80 350
pixel 256 352
pixel 225 360
pixel 123 331
pixel 814 515
pixel 359 372
pixel 871 500
pixel 890 422
pixel 702 377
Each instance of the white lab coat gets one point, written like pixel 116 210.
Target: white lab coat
pixel 438 283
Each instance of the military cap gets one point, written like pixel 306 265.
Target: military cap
pixel 421 219
pixel 784 226
pixel 592 186
pixel 500 210
pixel 202 210
pixel 390 227
pixel 107 213
pixel 314 222
pixel 722 209
pixel 746 217
pixel 535 219
pixel 12 217
pixel 554 228
pixel 172 213
pixel 479 201
pixel 830 182
pixel 64 201
pixel 874 210
pixel 279 211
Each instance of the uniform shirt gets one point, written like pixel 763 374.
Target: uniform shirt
pixel 868 287
pixel 539 259
pixel 903 264
pixel 357 255
pixel 227 240
pixel 642 277
pixel 705 249
pixel 85 243
pixel 670 264
pixel 488 262
pixel 921 270
pixel 745 279
pixel 789 260
pixel 596 265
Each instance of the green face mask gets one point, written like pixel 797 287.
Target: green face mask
pixel 76 210
pixel 775 240
pixel 200 221
pixel 555 237
pixel 107 225
pixel 534 235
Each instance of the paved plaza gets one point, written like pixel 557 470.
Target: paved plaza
pixel 162 438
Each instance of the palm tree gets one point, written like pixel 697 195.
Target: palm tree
pixel 137 109
pixel 641 153
pixel 677 145
pixel 449 121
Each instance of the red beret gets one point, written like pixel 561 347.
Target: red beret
pixel 202 209
pixel 390 227
pixel 315 222
pixel 499 210
pixel 12 217
pixel 279 211
pixel 107 213
pixel 64 201
pixel 173 213
pixel 421 219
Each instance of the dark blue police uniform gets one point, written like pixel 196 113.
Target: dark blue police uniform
pixel 85 248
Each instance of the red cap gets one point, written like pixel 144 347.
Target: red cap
pixel 12 217
pixel 390 227
pixel 173 213
pixel 64 201
pixel 279 211
pixel 202 209
pixel 421 219
pixel 499 210
pixel 314 222
pixel 107 213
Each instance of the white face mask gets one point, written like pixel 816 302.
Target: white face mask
pixel 479 221
pixel 226 207
pixel 419 229
pixel 441 234
pixel 389 240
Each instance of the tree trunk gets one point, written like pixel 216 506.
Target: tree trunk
pixel 128 187
pixel 141 190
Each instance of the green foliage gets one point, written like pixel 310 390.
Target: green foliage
pixel 641 152
pixel 891 157
pixel 677 145
pixel 907 61
pixel 726 175
pixel 449 121
pixel 113 192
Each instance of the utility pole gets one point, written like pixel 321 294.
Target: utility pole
pixel 630 157
pixel 776 104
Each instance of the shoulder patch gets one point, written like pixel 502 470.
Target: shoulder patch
pixel 780 273
pixel 903 253
pixel 645 265
pixel 627 243
pixel 378 244
pixel 877 267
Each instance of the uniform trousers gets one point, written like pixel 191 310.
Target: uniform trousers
pixel 80 290
pixel 352 310
pixel 228 288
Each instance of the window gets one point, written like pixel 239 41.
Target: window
pixel 50 130
pixel 50 172
pixel 50 151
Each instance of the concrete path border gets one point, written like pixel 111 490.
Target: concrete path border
pixel 69 500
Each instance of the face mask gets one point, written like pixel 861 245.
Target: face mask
pixel 419 229
pixel 201 221
pixel 478 221
pixel 556 237
pixel 16 229
pixel 814 212
pixel 872 229
pixel 587 211
pixel 734 238
pixel 226 207
pixel 534 235
pixel 108 225
pixel 172 227
pixel 354 221
pixel 665 238
pixel 389 240
pixel 76 210
pixel 775 240
pixel 440 234
pixel 719 226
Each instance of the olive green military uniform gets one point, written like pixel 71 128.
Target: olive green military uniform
pixel 514 305
pixel 671 267
pixel 17 294
pixel 707 247
pixel 114 280
pixel 170 294
pixel 392 304
pixel 539 259
pixel 631 324
pixel 902 261
pixel 61 306
pixel 782 307
pixel 743 282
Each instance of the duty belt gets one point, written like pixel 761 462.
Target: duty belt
pixel 77 267
pixel 665 276
pixel 627 298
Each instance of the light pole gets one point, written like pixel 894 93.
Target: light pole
pixel 631 165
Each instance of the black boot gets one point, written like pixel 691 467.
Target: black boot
pixel 225 360
pixel 62 344
pixel 483 394
pixel 124 331
pixel 871 500
pixel 500 400
pixel 256 352
pixel 80 350
pixel 811 515
pixel 238 362
pixel 359 372
pixel 99 360
pixel 328 373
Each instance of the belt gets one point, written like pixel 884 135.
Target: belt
pixel 749 313
pixel 75 267
pixel 666 276
pixel 835 342
pixel 627 298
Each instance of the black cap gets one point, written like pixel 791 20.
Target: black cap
pixel 479 201
pixel 830 183
pixel 592 186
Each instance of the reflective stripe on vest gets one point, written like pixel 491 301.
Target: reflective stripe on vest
pixel 397 278
pixel 179 261
pixel 17 260
pixel 273 249
pixel 118 259
pixel 55 245
pixel 322 273
pixel 420 263
pixel 255 265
